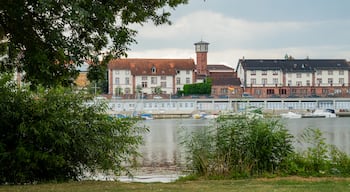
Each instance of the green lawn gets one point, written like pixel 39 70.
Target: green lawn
pixel 290 184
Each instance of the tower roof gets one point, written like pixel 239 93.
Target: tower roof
pixel 202 42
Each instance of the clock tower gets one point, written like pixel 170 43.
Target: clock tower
pixel 201 52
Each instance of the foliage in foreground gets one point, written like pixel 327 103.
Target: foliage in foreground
pixel 319 158
pixel 242 146
pixel 54 135
pixel 238 146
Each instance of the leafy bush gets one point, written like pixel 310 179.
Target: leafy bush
pixel 198 88
pixel 319 158
pixel 55 135
pixel 238 146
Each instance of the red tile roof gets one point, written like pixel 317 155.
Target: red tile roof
pixel 144 66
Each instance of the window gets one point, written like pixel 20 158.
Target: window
pixel 330 80
pixel 289 82
pixel 330 72
pixel 144 78
pixel 127 81
pixel 275 81
pixel 154 70
pixel 319 72
pixel 264 72
pixel 163 84
pixel 264 81
pixel 253 81
pixel 127 90
pixel 257 92
pixel 213 91
pixel 275 72
pixel 188 72
pixel 341 72
pixel 282 91
pixel 253 72
pixel 325 91
pixel 188 80
pixel 319 81
pixel 144 84
pixel 337 91
pixel 341 81
pixel 153 80
pixel 270 91
pixel 223 90
pixel 299 83
pixel 163 78
pixel 307 82
pixel 178 80
pixel 117 81
pixel 127 72
pixel 298 75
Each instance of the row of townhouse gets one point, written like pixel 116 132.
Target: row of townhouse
pixel 294 77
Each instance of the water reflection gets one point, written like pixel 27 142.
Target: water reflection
pixel 162 149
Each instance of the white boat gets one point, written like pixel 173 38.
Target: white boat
pixel 321 113
pixel 146 116
pixel 291 115
pixel 211 116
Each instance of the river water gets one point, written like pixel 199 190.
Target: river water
pixel 162 150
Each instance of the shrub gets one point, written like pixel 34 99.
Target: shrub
pixel 318 158
pixel 54 135
pixel 238 146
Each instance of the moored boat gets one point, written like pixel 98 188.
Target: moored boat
pixel 291 115
pixel 146 116
pixel 321 113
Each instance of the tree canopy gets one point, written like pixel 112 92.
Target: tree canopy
pixel 48 38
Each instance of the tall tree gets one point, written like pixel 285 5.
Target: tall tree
pixel 47 38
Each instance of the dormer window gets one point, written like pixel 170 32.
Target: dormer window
pixel 154 70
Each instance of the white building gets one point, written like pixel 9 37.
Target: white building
pixel 127 76
pixel 303 77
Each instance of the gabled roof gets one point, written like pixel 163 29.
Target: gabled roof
pixel 294 65
pixel 219 67
pixel 145 66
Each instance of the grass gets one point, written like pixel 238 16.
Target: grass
pixel 290 184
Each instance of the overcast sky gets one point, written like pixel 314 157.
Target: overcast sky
pixel 253 29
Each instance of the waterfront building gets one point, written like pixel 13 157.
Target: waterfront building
pixel 225 83
pixel 126 76
pixel 263 78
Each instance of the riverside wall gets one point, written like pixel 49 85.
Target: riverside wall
pixel 185 107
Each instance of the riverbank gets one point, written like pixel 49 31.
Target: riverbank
pixel 291 184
